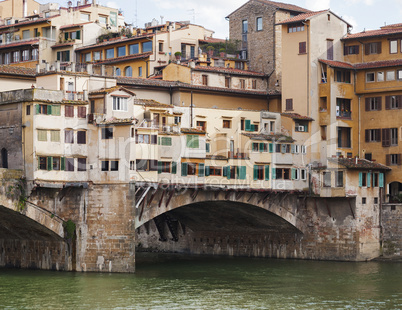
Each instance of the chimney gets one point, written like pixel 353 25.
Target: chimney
pixel 37 68
pixel 57 65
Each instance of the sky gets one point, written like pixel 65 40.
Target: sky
pixel 361 14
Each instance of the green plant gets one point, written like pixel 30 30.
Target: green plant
pixel 222 50
pixel 69 229
pixel 177 54
pixel 17 193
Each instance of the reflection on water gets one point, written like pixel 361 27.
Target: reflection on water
pixel 179 282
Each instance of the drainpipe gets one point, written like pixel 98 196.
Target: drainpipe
pixel 191 111
pixel 308 68
pixel 171 94
pixel 360 154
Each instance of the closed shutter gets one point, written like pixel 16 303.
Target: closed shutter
pixel 49 163
pixel 255 174
pixel 154 139
pixel 345 50
pixel 184 169
pixel 367 135
pixel 368 179
pixel 381 180
pixel 266 172
pixel 66 35
pixel 62 163
pixel 271 147
pixel 379 48
pixel 78 35
pixel 228 172
pixel 37 108
pixel 386 141
pixel 201 170
pixel 67 56
pixel 49 109
pixel 292 148
pixel 387 102
pixel 398 159
pixel 283 148
pixel 379 102
pixel 159 167
pixel 293 173
pixel 367 48
pixel 273 173
pixel 289 104
pixel 225 171
pixel 243 173
pixel 378 134
pixel 367 104
pixel 261 147
pixel 207 171
pixel 159 140
pixel 360 179
pixel 207 147
pixel 174 167
pixel 388 159
pixel 247 125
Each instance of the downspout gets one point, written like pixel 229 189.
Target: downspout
pixel 171 94
pixel 308 68
pixel 358 147
pixel 191 111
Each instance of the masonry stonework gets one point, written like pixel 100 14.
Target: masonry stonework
pixel 392 230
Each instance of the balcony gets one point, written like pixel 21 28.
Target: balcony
pixel 237 155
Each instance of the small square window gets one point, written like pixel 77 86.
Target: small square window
pixel 364 200
pixel 375 200
pixel 370 77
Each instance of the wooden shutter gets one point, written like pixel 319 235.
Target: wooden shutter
pixel 159 167
pixel 399 160
pixel 388 159
pixel 201 170
pixel 379 48
pixel 154 139
pixel 49 109
pixel 345 50
pixel 381 180
pixel 360 179
pixel 357 49
pixel 302 47
pixel 367 48
pixel 248 125
pixel 369 179
pixel 207 171
pixel 266 172
pixel 261 146
pixel 378 135
pixel 62 163
pixel 271 147
pixel 273 173
pixel 367 104
pixel 174 167
pixel 243 173
pixel 293 173
pixel 289 104
pixel 367 135
pixel 49 163
pixel 225 171
pixel 255 173
pixel 387 102
pixel 386 141
pixel 184 169
pixel 379 103
pixel 78 35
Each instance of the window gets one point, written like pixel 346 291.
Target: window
pixel 254 84
pixel 326 178
pixel 386 137
pixel 342 76
pixel 192 141
pixel 84 17
pixel 121 51
pixel 393 102
pixel 81 137
pixel 330 49
pixel 68 136
pixel 242 84
pixel 351 50
pixel 25 55
pixel 56 163
pixel 109 53
pixel 69 164
pixel 217 171
pixel 28 110
pixel 303 149
pixel 118 72
pixel 302 48
pixel 87 57
pixel 281 173
pixel 160 47
pixel 128 71
pixel 338 178
pixel 69 111
pixel 97 55
pixel 146 165
pixel 133 49
pixel 244 26
pixel 205 80
pixel 177 120
pixel 139 71
pixel 63 56
pixel 258 172
pixel 7 58
pixel 343 108
pixel 393 46
pixel 114 165
pixel 105 165
pixel 373 135
pixel 254 147
pixel 368 156
pixel 42 163
pixel 370 77
pixel 372 48
pixel 390 75
pixel 82 112
pixel 380 76
pixel 103 20
pixel 297 27
pixel 191 169
pixel 165 167
pixel 82 164
pixel 394 136
pixel 323 130
pixel 26 34
pixel 303 174
pixel 373 103
pixel 192 51
pixel 289 104
pixel 146 46
pixel 227 82
pixel 258 24
pixel 119 104
pixel 42 135
pixel 16 56
pixel 166 141
pixel 227 123
pixel 107 133
pixel 364 200
pixel 55 135
pixel 393 159
pixel 202 125
pixel 344 137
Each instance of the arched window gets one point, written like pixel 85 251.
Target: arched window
pixel 118 72
pixel 128 71
pixel 4 158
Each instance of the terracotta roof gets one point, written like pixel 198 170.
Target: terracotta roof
pixel 162 83
pixel 362 164
pixel 150 103
pixel 383 31
pixel 124 58
pixel 266 137
pixel 301 17
pixel 117 121
pixel 27 22
pixel 285 6
pixel 211 40
pixel 63 44
pixel 74 25
pixel 364 65
pixel 20 43
pixel 13 70
pixel 297 116
pixel 118 41
pixel 192 130
pixel 228 70
pixel 337 64
pixel 110 90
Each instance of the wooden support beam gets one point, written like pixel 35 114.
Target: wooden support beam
pixel 251 197
pixel 328 209
pixel 351 209
pixel 163 194
pixel 227 195
pixel 152 198
pixel 217 194
pixel 195 194
pixel 266 197
pixel 142 208
pixel 284 197
pixel 239 195
pixel 64 192
pixel 263 199
pixel 170 197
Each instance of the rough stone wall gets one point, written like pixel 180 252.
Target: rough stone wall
pixel 260 44
pixel 11 134
pixel 392 230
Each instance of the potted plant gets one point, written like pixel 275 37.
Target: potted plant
pixel 222 52
pixel 177 55
pixel 210 50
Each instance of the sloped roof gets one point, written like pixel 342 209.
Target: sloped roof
pixel 20 43
pixel 337 64
pixel 150 103
pixel 300 17
pixel 228 70
pixel 13 70
pixel 360 164
pixel 110 90
pixel 117 121
pixel 269 137
pixel 74 25
pixel 383 31
pixel 114 41
pixel 192 130
pixel 297 116
pixel 364 65
pixel 124 58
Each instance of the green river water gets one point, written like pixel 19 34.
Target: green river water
pixel 166 281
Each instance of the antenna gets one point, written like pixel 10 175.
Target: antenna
pixel 135 15
pixel 162 19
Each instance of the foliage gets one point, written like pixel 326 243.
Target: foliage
pixel 228 46
pixel 177 54
pixel 69 229
pixel 17 192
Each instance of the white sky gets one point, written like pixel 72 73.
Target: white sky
pixel 362 14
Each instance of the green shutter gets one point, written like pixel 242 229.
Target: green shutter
pixel 228 172
pixel 243 172
pixel 273 173
pixel 184 169
pixel 37 107
pixel 266 172
pixel 62 164
pixel 159 140
pixel 56 110
pixel 271 147
pixel 293 173
pixel 252 128
pixel 65 36
pixel 174 167
pixel 247 125
pixel 78 35
pixel 38 162
pixel 225 172
pixel 49 163
pixel 381 182
pixel 360 179
pixel 58 56
pixel 207 170
pixel 49 109
pixel 207 147
pixel 159 167
pixel 255 174
pixel 292 148
pixel 368 179
pixel 201 170
pixel 67 56
pixel 261 146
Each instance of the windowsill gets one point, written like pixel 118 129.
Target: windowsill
pixel 344 117
pixel 302 54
